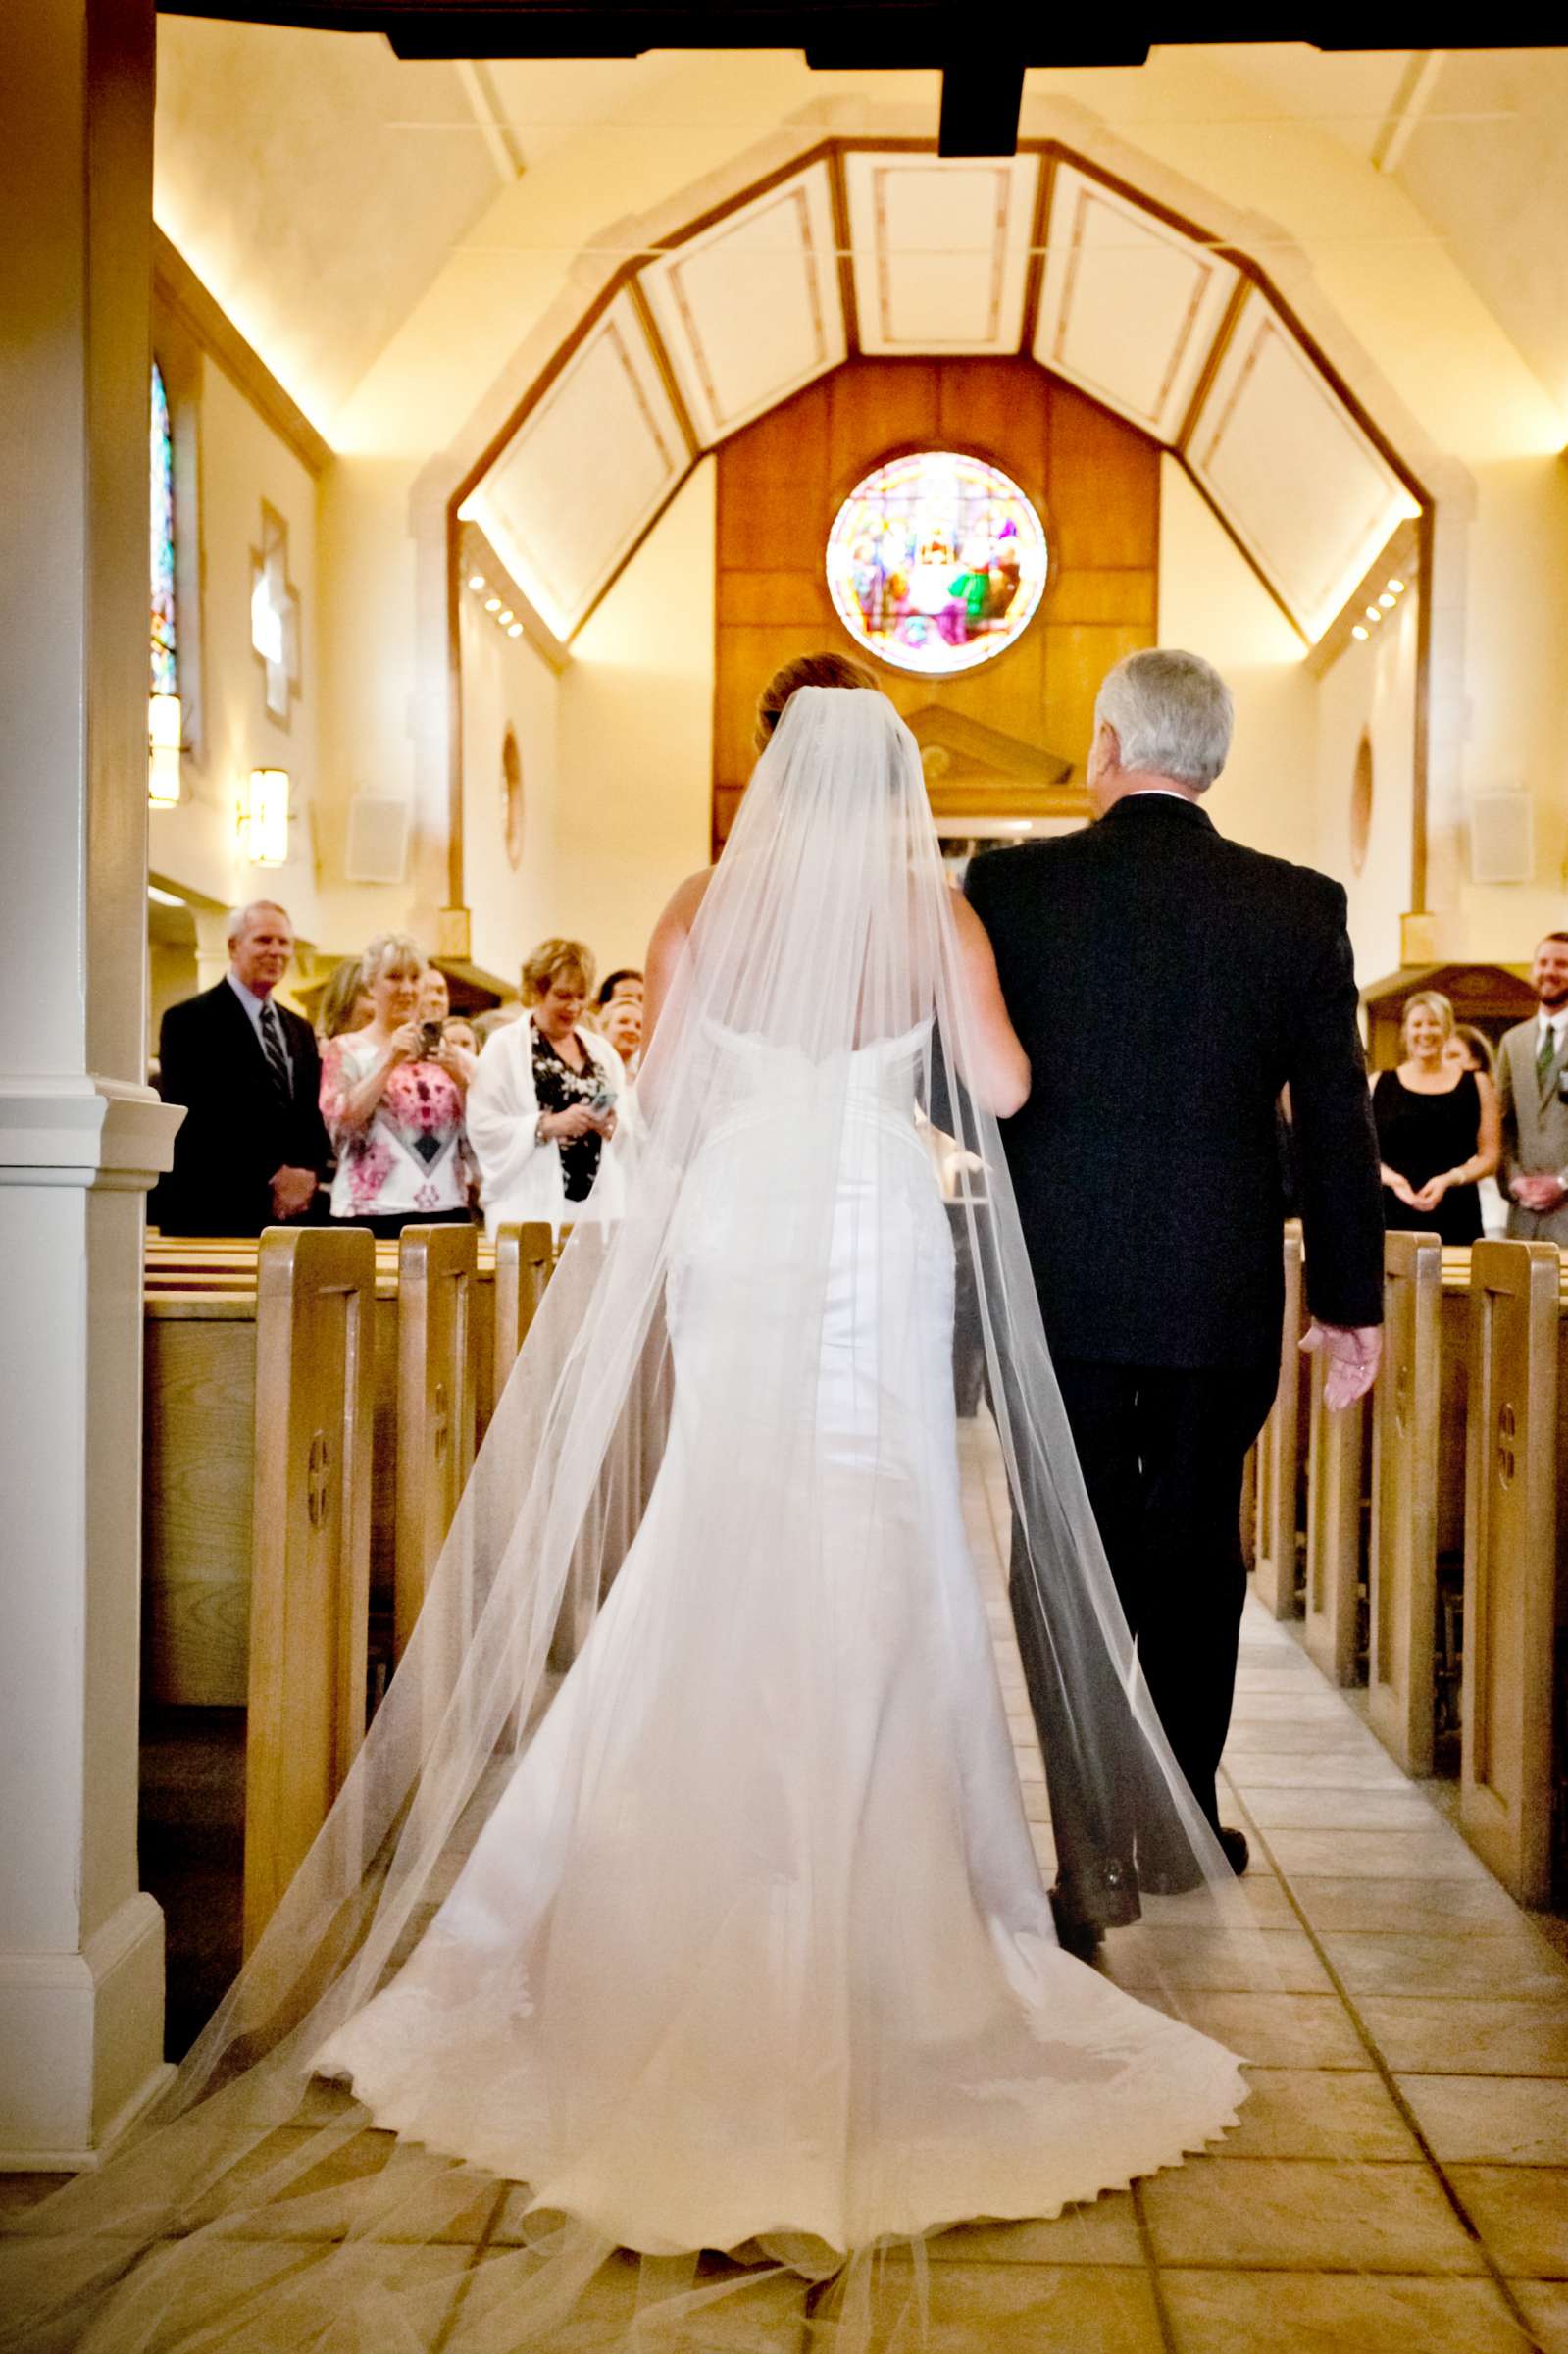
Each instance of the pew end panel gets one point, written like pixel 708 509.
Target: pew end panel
pixel 1402 1568
pixel 1279 1454
pixel 437 1271
pixel 1513 1591
pixel 310 1557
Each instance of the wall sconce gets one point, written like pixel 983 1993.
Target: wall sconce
pixel 264 817
pixel 164 725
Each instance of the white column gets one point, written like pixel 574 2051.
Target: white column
pixel 81 1136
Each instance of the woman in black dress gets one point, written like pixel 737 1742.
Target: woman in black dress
pixel 1439 1131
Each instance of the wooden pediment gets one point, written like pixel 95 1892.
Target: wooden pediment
pixel 976 771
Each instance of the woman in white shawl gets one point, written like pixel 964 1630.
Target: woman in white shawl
pixel 544 1100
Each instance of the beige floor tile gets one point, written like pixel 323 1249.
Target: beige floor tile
pixel 1466 2037
pixel 1546 2309
pixel 1340 1810
pixel 1008 2308
pixel 1517 1966
pixel 1318 2112
pixel 1234 1961
pixel 1328 1769
pixel 397 2191
pixel 1335 2313
pixel 1106 2232
pixel 1273 2031
pixel 1516 2120
pixel 1309 1702
pixel 758 2310
pixel 1440 1908
pixel 303 2289
pixel 1437 1854
pixel 1335 1736
pixel 1521 2213
pixel 1306 2215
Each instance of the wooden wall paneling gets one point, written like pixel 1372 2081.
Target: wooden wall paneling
pixel 779 483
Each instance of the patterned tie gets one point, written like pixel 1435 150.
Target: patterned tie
pixel 272 1037
pixel 1548 1054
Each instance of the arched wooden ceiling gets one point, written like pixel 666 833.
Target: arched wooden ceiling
pixel 885 248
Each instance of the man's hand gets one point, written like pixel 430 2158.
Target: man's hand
pixel 293 1190
pixel 1541 1193
pixel 1354 1351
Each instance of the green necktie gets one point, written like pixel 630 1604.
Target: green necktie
pixel 1548 1052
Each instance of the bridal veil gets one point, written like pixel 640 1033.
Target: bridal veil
pixel 824 957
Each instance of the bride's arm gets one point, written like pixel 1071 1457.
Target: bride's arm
pixel 990 1061
pixel 670 936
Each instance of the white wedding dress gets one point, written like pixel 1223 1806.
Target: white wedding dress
pixel 756 1943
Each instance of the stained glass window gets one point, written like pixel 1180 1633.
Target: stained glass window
pixel 165 658
pixel 937 562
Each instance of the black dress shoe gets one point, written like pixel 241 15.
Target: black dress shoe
pixel 1234 1847
pixel 1074 1934
pixel 1181 1877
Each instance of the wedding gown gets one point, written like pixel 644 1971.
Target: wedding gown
pixel 761 1946
pixel 736 1934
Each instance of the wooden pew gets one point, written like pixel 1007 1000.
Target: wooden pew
pixel 1280 1454
pixel 1514 1569
pixel 437 1269
pixel 1402 1571
pixel 310 1550
pixel 1336 1529
pixel 525 1257
pixel 198 1437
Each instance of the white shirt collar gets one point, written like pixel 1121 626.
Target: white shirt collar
pixel 1554 1021
pixel 252 1003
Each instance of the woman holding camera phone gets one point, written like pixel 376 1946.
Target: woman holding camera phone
pixel 545 1100
pixel 395 1099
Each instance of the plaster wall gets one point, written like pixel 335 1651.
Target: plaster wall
pixel 635 770
pixel 507 684
pixel 1213 602
pixel 1371 689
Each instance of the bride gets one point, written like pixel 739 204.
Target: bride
pixel 735 1937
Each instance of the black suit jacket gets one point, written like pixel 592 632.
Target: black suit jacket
pixel 237 1130
pixel 1165 983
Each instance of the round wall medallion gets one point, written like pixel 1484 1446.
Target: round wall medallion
pixel 937 562
pixel 512 797
pixel 1361 804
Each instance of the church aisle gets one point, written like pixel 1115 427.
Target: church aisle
pixel 1400 2177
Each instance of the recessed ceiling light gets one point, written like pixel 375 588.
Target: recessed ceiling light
pixel 493 604
pixel 1373 613
pixel 504 617
pixel 476 580
pixel 1358 630
pixel 1385 601
pixel 515 630
pixel 1398 588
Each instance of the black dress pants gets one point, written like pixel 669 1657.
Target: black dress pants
pixel 1162 1452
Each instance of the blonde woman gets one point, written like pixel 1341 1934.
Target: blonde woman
pixel 1439 1131
pixel 544 1101
pixel 394 1103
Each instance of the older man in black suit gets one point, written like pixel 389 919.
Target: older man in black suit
pixel 1167 985
pixel 252 1148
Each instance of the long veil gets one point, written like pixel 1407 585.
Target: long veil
pixel 245 2212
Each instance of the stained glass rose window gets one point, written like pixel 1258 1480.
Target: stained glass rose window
pixel 937 562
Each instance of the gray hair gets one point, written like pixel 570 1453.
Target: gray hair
pixel 240 917
pixel 392 952
pixel 1172 713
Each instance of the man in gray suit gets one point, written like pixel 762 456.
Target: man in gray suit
pixel 1533 1090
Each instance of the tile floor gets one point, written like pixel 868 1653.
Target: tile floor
pixel 1398 2183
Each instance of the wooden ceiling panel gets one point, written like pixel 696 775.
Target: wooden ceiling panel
pixel 941 251
pixel 1130 306
pixel 749 308
pixel 1291 472
pixel 586 471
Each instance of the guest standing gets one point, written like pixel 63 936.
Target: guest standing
pixel 543 1103
pixel 1438 1129
pixel 394 1102
pixel 251 1149
pixel 621 1017
pixel 1533 1088
pixel 345 1002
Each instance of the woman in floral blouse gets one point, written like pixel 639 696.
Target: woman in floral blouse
pixel 393 1101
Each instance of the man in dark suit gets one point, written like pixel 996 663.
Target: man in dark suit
pixel 252 1148
pixel 1167 985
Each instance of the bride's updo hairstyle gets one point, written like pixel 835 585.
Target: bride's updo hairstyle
pixel 807 670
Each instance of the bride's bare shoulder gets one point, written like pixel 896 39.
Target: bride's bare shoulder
pixel 686 900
